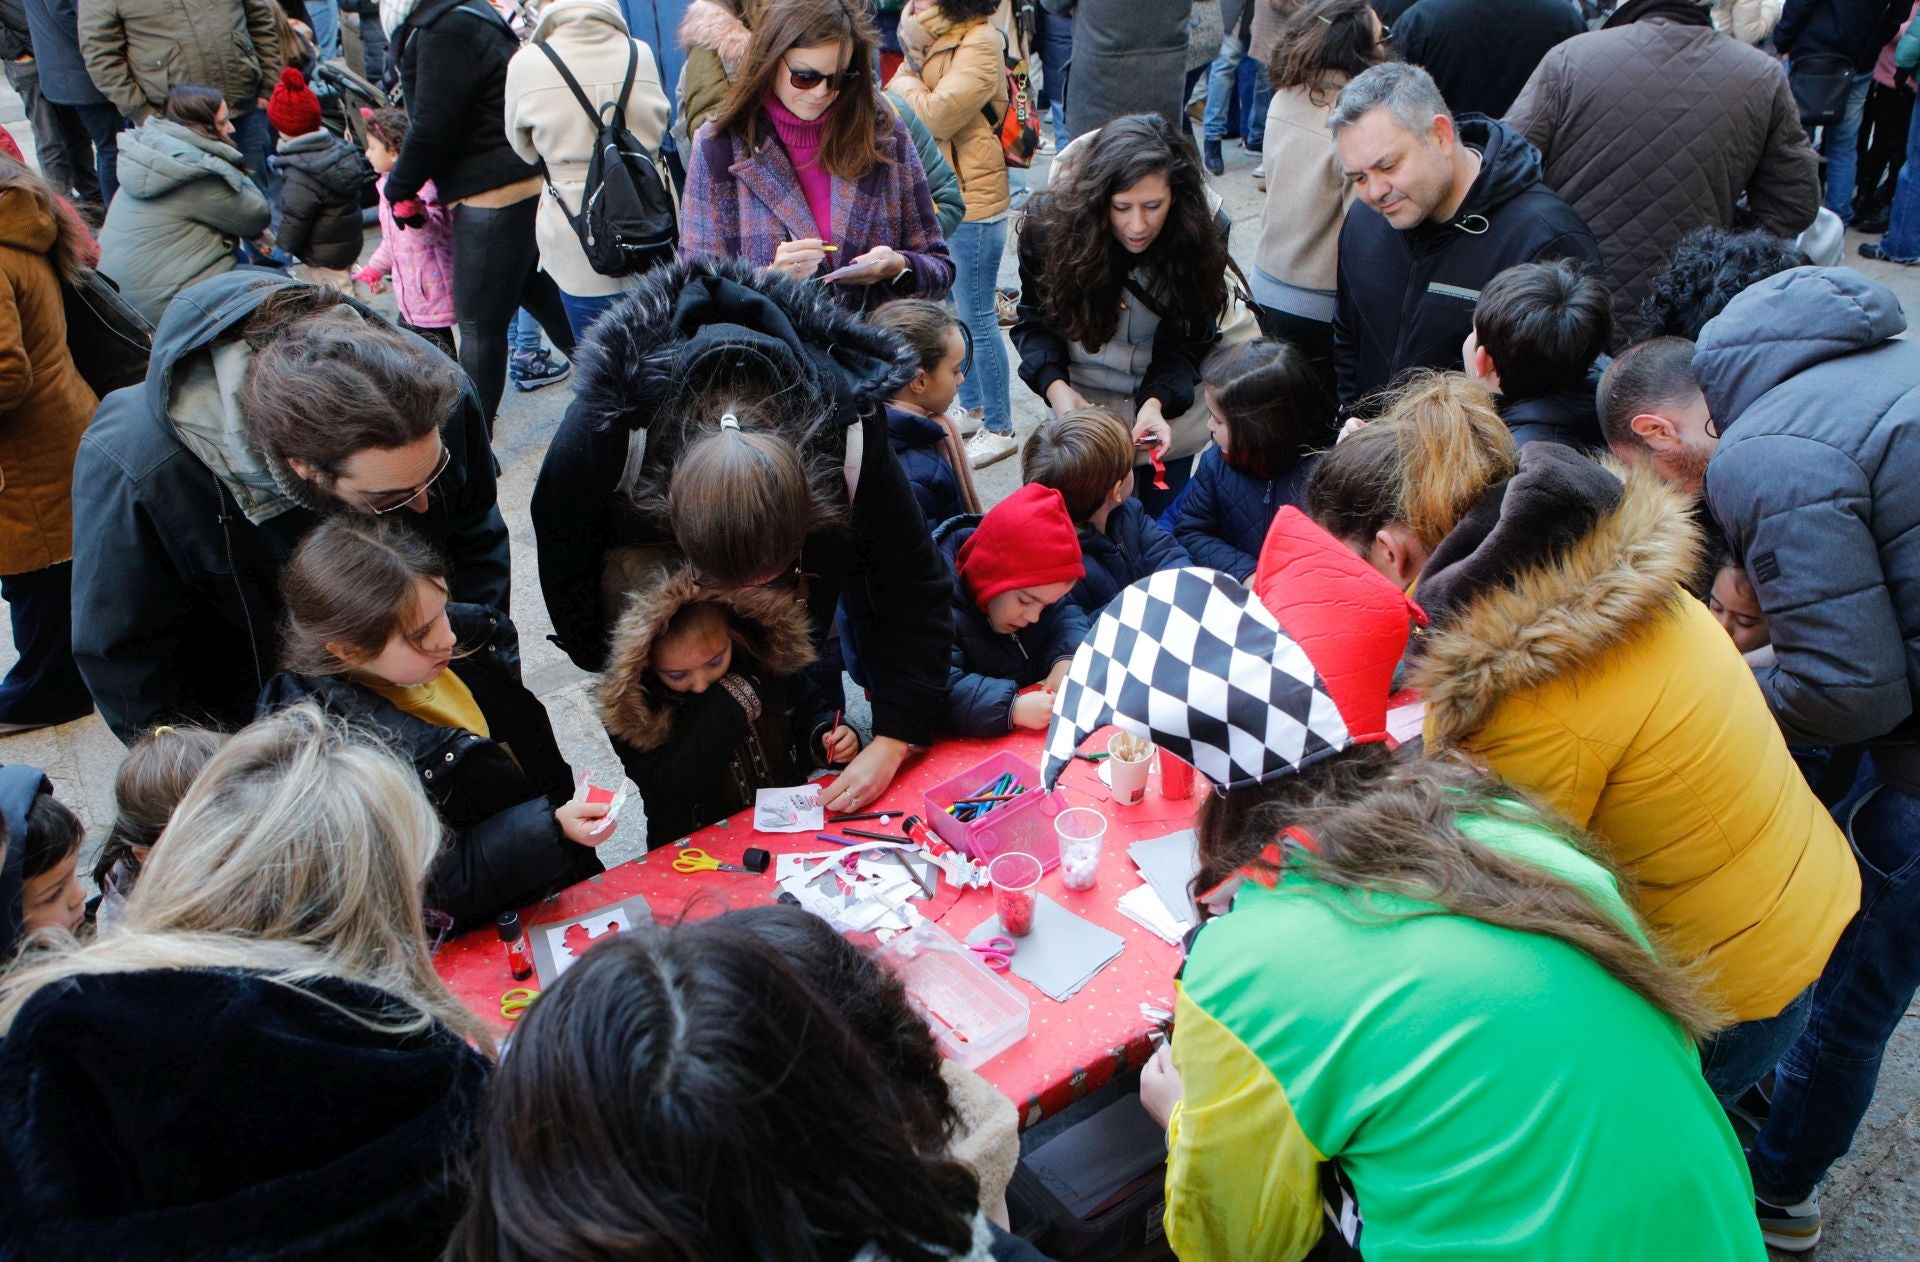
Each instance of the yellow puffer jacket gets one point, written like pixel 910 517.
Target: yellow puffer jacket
pixel 952 70
pixel 1586 675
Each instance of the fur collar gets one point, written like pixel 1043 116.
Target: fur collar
pixel 777 632
pixel 707 25
pixel 1554 613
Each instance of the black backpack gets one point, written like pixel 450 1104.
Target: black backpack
pixel 627 223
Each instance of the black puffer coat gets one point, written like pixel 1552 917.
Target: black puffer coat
pixel 496 794
pixel 320 200
pixel 453 56
pixel 634 366
pixel 1407 298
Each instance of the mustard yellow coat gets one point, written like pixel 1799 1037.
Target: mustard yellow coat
pixel 1594 681
pixel 952 71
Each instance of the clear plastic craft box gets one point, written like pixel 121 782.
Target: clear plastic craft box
pixel 973 1013
pixel 1024 824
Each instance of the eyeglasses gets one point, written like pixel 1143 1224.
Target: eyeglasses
pixel 394 501
pixel 788 579
pixel 966 359
pixel 804 79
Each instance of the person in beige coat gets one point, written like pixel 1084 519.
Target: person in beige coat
pixel 545 124
pixel 1296 263
pixel 954 79
pixel 45 406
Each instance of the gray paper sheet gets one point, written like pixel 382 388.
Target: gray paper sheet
pixel 1169 864
pixel 1063 952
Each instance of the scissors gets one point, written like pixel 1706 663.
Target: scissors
pixel 695 860
pixel 517 1001
pixel 996 952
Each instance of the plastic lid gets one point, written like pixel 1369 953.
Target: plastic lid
pixel 509 924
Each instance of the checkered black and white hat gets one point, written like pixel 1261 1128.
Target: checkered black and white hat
pixel 1203 665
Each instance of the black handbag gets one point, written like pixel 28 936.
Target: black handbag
pixel 110 342
pixel 1820 83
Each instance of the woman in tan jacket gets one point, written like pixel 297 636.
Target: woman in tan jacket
pixel 1294 264
pixel 45 406
pixel 954 77
pixel 546 125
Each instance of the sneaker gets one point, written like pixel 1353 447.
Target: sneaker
pixel 1874 222
pixel 987 447
pixel 967 420
pixel 1871 250
pixel 534 370
pixel 1046 143
pixel 1006 307
pixel 1252 144
pixel 1789 1228
pixel 1210 154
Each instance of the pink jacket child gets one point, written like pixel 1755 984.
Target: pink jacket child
pixel 420 261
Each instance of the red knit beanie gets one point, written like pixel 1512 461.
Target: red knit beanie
pixel 1026 540
pixel 293 109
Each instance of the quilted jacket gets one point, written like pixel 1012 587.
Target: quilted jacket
pixel 989 669
pixel 1225 513
pixel 1653 129
pixel 1131 547
pixel 918 442
pixel 1813 485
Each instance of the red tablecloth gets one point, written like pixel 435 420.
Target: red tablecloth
pixel 1070 1049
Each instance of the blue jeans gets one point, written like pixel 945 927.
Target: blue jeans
pixel 1056 52
pixel 1825 1081
pixel 103 124
pixel 523 335
pixel 325 15
pixel 43 686
pixel 1223 87
pixel 581 312
pixel 1902 241
pixel 1840 146
pixel 1743 1054
pixel 976 249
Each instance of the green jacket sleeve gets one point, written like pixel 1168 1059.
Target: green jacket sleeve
pixel 948 203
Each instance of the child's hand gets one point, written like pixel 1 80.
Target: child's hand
pixel 1160 1085
pixel 1033 709
pixel 411 213
pixel 840 745
pixel 372 278
pixel 582 822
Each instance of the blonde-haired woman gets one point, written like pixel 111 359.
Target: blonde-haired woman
pixel 258 1058
pixel 1566 656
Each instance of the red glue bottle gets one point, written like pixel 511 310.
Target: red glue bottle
pixel 519 952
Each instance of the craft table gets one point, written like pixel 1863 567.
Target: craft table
pixel 1070 1049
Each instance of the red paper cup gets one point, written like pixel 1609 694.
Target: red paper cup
pixel 1176 777
pixel 1015 879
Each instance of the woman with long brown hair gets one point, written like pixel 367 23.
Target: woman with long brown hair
pixel 45 406
pixel 1567 657
pixel 807 170
pixel 1420 1015
pixel 1321 46
pixel 1122 282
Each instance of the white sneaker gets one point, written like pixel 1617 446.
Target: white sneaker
pixel 969 420
pixel 987 447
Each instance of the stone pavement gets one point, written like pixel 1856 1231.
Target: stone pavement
pixel 1871 1201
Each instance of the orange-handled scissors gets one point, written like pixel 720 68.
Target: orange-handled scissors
pixel 695 860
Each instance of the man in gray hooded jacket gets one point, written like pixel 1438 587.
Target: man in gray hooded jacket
pixel 1812 421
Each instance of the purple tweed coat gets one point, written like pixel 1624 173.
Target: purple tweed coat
pixel 743 204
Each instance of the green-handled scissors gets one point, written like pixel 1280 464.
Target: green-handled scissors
pixel 517 1001
pixel 694 860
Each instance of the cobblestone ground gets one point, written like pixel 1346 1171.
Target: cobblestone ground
pixel 1872 1200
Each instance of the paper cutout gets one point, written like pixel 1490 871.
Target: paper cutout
pixel 791 810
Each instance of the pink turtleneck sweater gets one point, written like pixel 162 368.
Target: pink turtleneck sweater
pixel 802 140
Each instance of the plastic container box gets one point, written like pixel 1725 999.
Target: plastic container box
pixel 1025 824
pixel 973 1013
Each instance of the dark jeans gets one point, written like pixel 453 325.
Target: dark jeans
pixel 582 312
pixel 60 141
pixel 1883 144
pixel 1056 52
pixel 104 125
pixel 1743 1054
pixel 44 685
pixel 373 45
pixel 495 273
pixel 1826 1079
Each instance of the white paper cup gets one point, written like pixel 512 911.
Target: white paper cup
pixel 1129 778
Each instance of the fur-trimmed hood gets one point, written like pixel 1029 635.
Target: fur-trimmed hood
pixel 698 316
pixel 707 25
pixel 1548 573
pixel 774 625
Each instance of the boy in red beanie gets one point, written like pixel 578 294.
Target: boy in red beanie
pixel 320 198
pixel 1012 626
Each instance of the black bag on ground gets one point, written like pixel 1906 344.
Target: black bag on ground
pixel 627 222
pixel 1820 83
pixel 110 342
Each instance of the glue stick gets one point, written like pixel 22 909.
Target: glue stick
pixel 519 953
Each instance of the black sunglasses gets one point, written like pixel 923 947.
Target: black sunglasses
pixel 806 80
